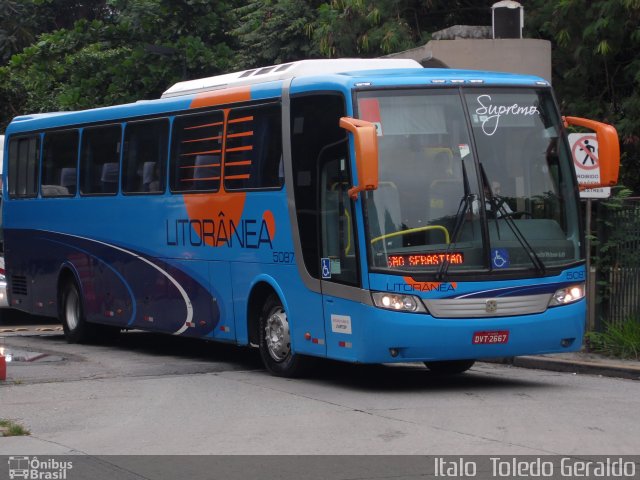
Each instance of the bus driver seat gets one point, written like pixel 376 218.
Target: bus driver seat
pixel 385 215
pixel 444 192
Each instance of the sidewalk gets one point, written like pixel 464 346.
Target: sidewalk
pixel 579 362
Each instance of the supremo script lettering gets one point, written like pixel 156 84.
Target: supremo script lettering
pixel 248 233
pixel 490 114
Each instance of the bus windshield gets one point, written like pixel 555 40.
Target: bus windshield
pixel 470 179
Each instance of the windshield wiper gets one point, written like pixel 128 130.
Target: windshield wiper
pixel 465 204
pixel 499 206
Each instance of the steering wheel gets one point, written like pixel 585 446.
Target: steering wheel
pixel 497 210
pixel 519 214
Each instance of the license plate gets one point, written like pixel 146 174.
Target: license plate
pixel 492 337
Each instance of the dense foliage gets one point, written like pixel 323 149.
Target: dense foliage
pixel 131 49
pixel 70 54
pixel 596 65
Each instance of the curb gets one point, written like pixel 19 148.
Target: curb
pixel 605 369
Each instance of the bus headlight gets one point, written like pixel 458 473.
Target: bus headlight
pixel 398 302
pixel 567 295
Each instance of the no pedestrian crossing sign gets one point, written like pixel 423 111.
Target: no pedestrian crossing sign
pixel 584 150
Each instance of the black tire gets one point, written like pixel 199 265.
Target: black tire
pixel 275 342
pixel 76 329
pixel 450 367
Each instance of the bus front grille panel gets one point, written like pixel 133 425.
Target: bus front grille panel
pixel 19 285
pixel 488 307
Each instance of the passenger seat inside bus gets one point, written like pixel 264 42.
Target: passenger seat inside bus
pixel 109 177
pixel 205 168
pixel 68 179
pixel 150 177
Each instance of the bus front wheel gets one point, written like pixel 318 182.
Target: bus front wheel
pixel 76 328
pixel 450 367
pixel 275 341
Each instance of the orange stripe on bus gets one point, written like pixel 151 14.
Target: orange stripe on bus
pixel 200 166
pixel 236 164
pixel 240 149
pixel 199 153
pixel 241 119
pixel 236 177
pixel 199 179
pixel 202 139
pixel 241 134
pixel 216 124
pixel 221 97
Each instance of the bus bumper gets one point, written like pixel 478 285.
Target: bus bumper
pixel 381 336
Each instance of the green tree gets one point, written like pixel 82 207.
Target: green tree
pixel 351 28
pixel 274 31
pixel 135 52
pixel 16 29
pixel 22 21
pixel 380 27
pixel 596 65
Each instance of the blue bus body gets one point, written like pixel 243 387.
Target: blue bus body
pixel 202 264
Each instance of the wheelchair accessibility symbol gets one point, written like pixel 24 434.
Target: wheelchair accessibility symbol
pixel 500 258
pixel 326 267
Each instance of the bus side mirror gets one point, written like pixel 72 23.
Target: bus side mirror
pixel 608 149
pixel 366 146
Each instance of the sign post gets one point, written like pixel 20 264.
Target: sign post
pixel 584 150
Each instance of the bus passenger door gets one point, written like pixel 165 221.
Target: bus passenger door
pixel 327 254
pixel 338 249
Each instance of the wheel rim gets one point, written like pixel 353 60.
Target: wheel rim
pixel 277 335
pixel 72 309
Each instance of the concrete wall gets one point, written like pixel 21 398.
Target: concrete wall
pixel 526 55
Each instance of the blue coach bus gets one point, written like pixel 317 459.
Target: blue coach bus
pixel 362 210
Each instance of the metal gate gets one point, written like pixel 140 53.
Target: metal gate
pixel 618 256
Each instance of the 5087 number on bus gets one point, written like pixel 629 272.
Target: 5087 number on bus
pixel 283 257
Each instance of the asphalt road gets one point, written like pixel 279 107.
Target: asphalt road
pixel 152 394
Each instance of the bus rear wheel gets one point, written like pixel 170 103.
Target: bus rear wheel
pixel 275 341
pixel 76 328
pixel 450 367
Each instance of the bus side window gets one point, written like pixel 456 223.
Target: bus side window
pixel 145 156
pixel 315 133
pixel 253 149
pixel 336 214
pixel 59 160
pixel 196 147
pixel 100 160
pixel 24 155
